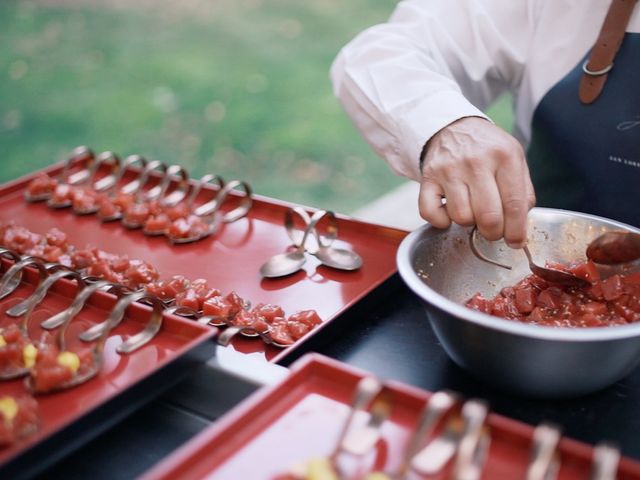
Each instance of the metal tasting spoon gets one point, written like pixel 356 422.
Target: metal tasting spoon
pixel 552 275
pixel 290 262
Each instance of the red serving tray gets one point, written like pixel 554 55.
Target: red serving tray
pixel 70 417
pixel 300 419
pixel 231 259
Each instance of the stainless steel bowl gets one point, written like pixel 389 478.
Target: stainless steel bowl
pixel 532 360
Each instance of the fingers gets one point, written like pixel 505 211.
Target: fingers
pixel 430 205
pixel 458 204
pixel 483 173
pixel 514 193
pixel 487 206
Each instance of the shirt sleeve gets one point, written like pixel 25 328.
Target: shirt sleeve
pixel 433 62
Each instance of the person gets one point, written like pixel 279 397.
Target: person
pixel 416 88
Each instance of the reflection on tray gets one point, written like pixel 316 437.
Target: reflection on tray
pixel 328 420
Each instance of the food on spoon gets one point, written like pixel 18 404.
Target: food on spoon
pixel 137 275
pixel 19 417
pixel 189 227
pixel 54 369
pixel 607 301
pixel 16 350
pixel 113 206
pixel 42 186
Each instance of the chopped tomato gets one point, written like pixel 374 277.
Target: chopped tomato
pixel 189 298
pixel 587 270
pixel 306 317
pixel 19 416
pixel 217 307
pixel 525 299
pixel 43 184
pixel 298 329
pixel 157 223
pixel 56 237
pixel 269 311
pixel 612 287
pixel 611 301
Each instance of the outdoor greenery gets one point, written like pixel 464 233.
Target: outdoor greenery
pixel 234 87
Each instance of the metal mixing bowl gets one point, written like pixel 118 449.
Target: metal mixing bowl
pixel 527 359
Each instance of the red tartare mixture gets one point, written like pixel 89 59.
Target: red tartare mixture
pixel 137 274
pixel 614 300
pixel 19 417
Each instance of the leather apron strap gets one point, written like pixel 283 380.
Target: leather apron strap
pixel 600 62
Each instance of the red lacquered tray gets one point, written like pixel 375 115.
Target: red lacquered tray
pixel 300 419
pixel 231 259
pixel 71 417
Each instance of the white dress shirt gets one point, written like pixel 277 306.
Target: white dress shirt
pixel 436 61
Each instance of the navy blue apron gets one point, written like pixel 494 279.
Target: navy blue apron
pixel 587 157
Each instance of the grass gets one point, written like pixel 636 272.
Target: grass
pixel 234 87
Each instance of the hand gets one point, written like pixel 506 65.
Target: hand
pixel 482 172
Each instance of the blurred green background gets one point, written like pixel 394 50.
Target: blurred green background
pixel 234 87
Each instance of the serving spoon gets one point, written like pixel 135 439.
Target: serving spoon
pixel 615 247
pixel 552 275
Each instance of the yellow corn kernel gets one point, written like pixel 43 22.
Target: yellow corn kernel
pixel 8 408
pixel 69 360
pixel 3 342
pixel 321 469
pixel 29 355
pixel 377 476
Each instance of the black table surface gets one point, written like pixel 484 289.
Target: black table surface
pixel 386 334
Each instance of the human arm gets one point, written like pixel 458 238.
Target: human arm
pixel 432 64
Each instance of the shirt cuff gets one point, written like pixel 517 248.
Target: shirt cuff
pixel 424 120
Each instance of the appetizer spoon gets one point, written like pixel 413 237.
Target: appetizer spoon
pixel 142 196
pixel 474 444
pixel 135 187
pixel 438 405
pixel 367 389
pixel 98 330
pixel 41 291
pixel 543 462
pixel 78 154
pixel 209 213
pixel 225 338
pixel 12 277
pixel 187 201
pixel 615 247
pixel 339 258
pixel 549 274
pixel 108 186
pixel 606 458
pixel 76 306
pixel 290 262
pixel 98 185
pixel 26 309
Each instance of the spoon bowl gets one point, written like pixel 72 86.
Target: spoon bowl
pixel 615 247
pixel 339 258
pixel 283 264
pixel 554 275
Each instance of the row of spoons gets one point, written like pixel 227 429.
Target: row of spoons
pixel 160 199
